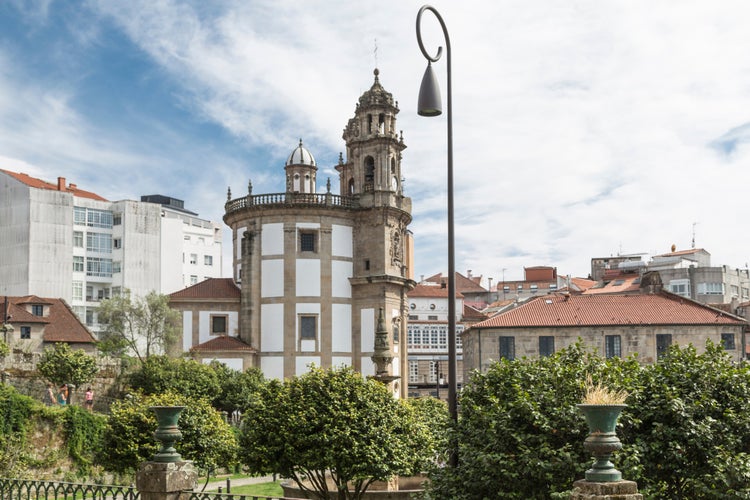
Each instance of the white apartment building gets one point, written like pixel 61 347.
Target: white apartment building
pixel 57 240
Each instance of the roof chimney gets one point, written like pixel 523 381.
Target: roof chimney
pixel 72 186
pixel 61 183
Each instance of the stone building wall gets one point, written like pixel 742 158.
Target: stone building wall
pixel 19 370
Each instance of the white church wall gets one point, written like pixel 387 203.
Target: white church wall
pixel 272 328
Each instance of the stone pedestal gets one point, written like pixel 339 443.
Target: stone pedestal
pixel 166 480
pixel 614 490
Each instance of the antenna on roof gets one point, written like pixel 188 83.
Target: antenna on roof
pixel 375 52
pixel 693 243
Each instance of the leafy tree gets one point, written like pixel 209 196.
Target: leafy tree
pixel 238 389
pixel 687 430
pixel 329 424
pixel 160 374
pixel 142 325
pixel 14 424
pixel 434 424
pixel 62 365
pixel 206 438
pixel 520 435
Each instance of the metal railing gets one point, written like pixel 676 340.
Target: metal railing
pixel 285 199
pixel 26 489
pixel 22 489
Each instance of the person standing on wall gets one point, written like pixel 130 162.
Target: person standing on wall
pixel 89 399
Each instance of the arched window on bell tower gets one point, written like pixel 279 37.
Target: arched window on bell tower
pixel 369 173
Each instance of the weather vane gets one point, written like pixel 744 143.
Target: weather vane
pixel 376 52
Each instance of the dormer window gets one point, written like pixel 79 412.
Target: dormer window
pixel 37 310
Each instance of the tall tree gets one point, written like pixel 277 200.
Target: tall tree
pixel 141 326
pixel 330 424
pixel 62 365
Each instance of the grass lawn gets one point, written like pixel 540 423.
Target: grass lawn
pixel 270 489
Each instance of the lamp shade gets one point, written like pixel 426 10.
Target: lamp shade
pixel 429 103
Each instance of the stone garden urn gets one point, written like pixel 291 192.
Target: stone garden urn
pixel 602 440
pixel 167 433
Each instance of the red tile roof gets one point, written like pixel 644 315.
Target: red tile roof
pixel 607 310
pixel 463 284
pixel 582 283
pixel 40 184
pixel 472 314
pixel 211 288
pixel 619 285
pixel 681 252
pixel 60 325
pixel 223 343
pixel 431 291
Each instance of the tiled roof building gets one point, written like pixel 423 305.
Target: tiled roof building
pixel 41 322
pixel 613 324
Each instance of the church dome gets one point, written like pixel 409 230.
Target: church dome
pixel 300 156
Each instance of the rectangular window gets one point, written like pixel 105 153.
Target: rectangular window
pixel 546 345
pixel 208 260
pixel 99 267
pixel 710 288
pixel 534 288
pixel 663 341
pixel 78 290
pixel 432 317
pixel 506 288
pixel 37 310
pixel 193 258
pixel 78 264
pixel 116 291
pixel 89 317
pixel 735 290
pixel 367 264
pixel 116 219
pixel 745 293
pixel 307 241
pixel 413 372
pixel 89 293
pixel 193 279
pixel 79 216
pixel 681 287
pixel 308 327
pixel 117 243
pixel 413 317
pixel 612 346
pixel 25 332
pixel 218 325
pixel 434 367
pixel 116 266
pixel 553 286
pixel 727 340
pixel 507 347
pixel 99 242
pixel 98 218
pixel 78 239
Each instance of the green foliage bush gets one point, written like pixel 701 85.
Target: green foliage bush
pixel 207 439
pixel 330 421
pixel 685 432
pixel 162 374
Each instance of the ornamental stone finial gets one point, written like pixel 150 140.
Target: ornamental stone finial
pixel 249 187
pixel 328 185
pixel 229 193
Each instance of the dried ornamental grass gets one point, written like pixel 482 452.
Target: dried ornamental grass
pixel 600 394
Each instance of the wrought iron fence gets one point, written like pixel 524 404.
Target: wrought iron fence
pixel 22 489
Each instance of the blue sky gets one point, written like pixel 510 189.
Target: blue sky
pixel 581 128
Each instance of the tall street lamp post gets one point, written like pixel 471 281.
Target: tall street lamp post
pixel 430 104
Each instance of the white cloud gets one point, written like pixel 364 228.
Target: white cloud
pixel 580 128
